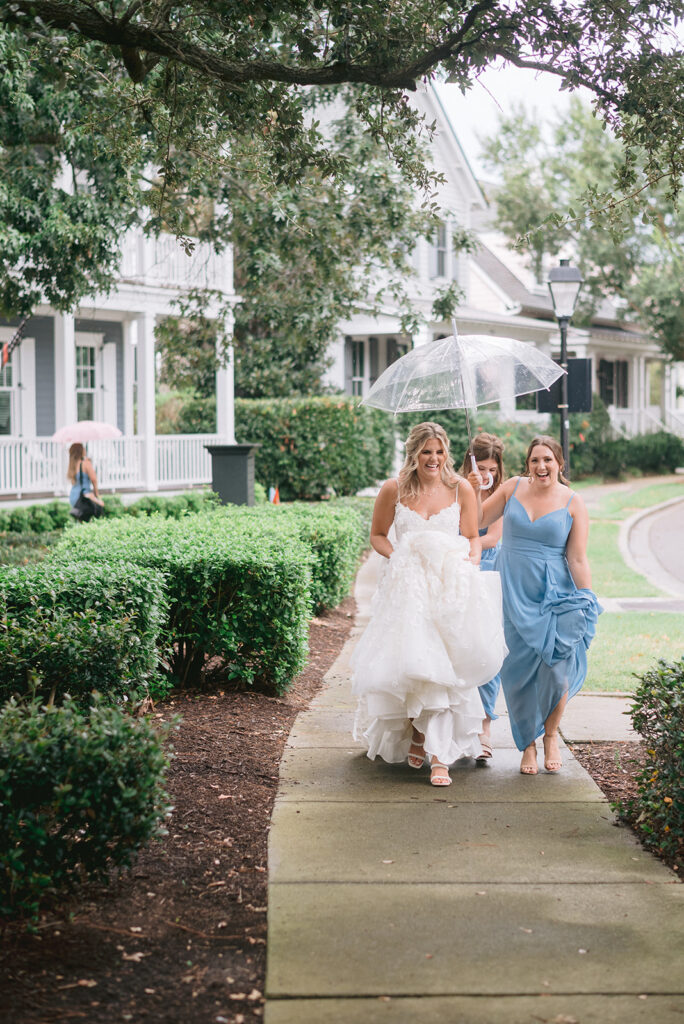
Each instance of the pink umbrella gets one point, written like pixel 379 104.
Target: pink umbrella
pixel 86 430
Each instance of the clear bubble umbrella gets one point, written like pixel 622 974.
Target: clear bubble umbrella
pixel 462 372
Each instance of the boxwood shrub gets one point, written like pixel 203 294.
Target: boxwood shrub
pixel 336 532
pixel 72 628
pixel 657 713
pixel 81 791
pixel 312 447
pixel 238 589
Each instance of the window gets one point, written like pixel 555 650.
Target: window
pixel 438 253
pixel 613 380
pixel 85 382
pixel 6 399
pixel 358 366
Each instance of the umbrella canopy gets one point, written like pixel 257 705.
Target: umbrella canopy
pixel 461 372
pixel 84 431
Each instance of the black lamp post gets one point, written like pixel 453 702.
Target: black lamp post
pixel 564 284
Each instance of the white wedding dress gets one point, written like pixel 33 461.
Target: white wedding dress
pixel 434 636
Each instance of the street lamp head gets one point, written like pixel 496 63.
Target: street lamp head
pixel 564 284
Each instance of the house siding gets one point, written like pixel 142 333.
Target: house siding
pixel 42 330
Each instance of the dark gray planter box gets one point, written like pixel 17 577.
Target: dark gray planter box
pixel 232 472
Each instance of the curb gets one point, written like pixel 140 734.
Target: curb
pixel 660 578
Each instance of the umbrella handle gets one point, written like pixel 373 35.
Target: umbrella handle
pixel 490 479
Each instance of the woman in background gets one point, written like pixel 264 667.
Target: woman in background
pixel 488 449
pixel 81 474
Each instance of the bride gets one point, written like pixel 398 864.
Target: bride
pixel 435 632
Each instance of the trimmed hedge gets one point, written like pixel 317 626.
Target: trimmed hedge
pixel 336 532
pixel 54 515
pixel 72 628
pixel 238 588
pixel 314 447
pixel 80 793
pixel 657 712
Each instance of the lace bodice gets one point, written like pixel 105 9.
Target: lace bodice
pixel 406 520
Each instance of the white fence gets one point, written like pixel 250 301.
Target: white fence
pixel 38 466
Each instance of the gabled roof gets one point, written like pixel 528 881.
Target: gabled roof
pixel 538 304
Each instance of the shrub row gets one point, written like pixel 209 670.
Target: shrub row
pixel 240 583
pixel 314 447
pixel 238 589
pixel 54 515
pixel 80 793
pixel 75 628
pixel 657 713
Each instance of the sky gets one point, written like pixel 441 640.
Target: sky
pixel 496 91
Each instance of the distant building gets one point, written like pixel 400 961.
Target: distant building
pixel 501 298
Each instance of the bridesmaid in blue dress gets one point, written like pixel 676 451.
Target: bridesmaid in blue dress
pixel 488 450
pixel 550 611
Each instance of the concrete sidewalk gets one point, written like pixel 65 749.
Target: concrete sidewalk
pixel 503 898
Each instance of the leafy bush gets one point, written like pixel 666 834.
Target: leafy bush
pixel 71 628
pixel 80 793
pixel 312 447
pixel 336 532
pixel 657 713
pixel 655 453
pixel 238 588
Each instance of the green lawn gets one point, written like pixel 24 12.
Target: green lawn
pixel 610 577
pixel 631 642
pixel 627 643
pixel 621 504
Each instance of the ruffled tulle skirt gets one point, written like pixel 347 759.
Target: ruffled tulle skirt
pixel 434 636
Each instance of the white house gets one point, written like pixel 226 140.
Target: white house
pixel 100 364
pixel 501 298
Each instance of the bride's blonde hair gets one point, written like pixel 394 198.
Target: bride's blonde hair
pixel 409 485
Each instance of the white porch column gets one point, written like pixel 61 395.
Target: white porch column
pixel 65 370
pixel 130 338
pixel 225 394
pixel 643 397
pixel 146 398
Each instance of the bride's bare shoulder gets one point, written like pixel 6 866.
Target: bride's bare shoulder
pixel 389 490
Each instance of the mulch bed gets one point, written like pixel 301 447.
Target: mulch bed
pixel 182 937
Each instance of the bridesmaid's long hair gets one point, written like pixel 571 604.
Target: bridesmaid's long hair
pixel 486 446
pixel 76 455
pixel 552 443
pixel 409 485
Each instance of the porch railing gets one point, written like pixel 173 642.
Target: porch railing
pixel 39 465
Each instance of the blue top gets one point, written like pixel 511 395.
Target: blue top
pixel 82 484
pixel 548 622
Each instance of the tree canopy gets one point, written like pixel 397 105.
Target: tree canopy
pixel 635 255
pixel 144 104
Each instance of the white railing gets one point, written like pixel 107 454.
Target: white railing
pixel 182 459
pixel 164 261
pixel 629 422
pixel 39 466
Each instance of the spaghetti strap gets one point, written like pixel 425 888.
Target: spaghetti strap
pixel 572 495
pixel 516 485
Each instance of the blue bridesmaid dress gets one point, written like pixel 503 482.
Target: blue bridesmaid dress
pixel 548 622
pixel 490 691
